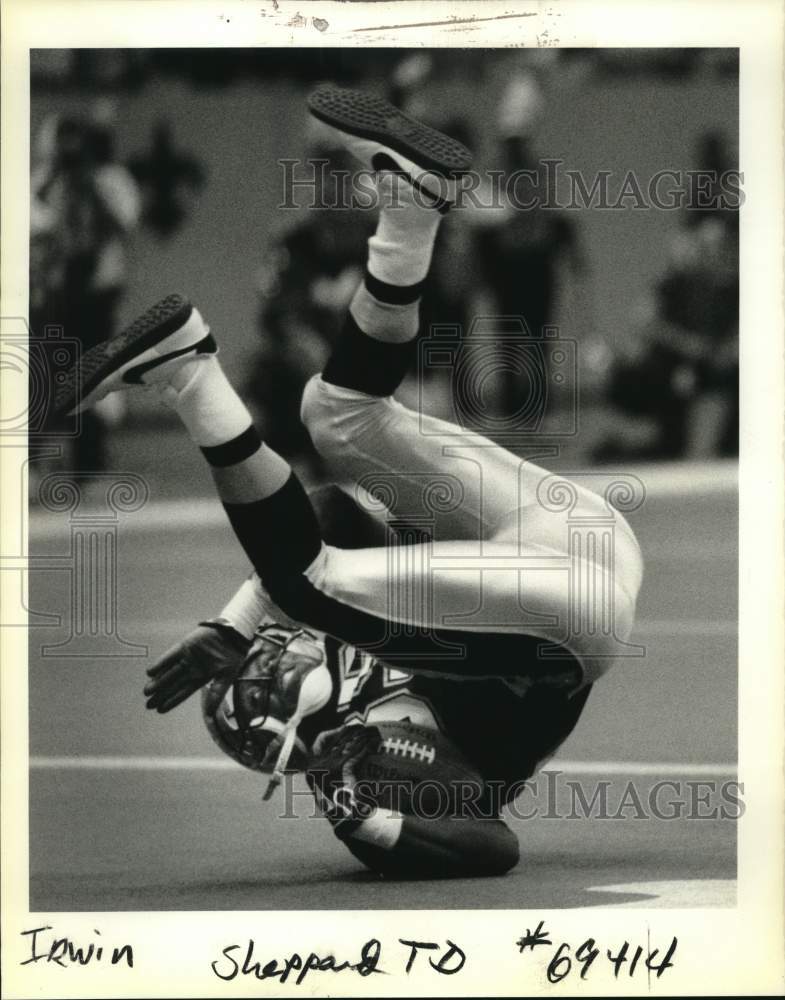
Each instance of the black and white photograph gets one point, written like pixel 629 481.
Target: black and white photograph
pixel 374 506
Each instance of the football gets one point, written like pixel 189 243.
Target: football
pixel 418 771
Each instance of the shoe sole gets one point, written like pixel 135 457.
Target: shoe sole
pixel 368 117
pixel 81 386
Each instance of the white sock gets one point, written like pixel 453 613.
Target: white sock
pixel 381 828
pixel 206 402
pixel 400 251
pixel 250 607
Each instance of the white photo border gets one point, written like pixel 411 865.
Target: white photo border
pixel 720 952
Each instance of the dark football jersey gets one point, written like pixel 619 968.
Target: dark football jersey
pixel 506 734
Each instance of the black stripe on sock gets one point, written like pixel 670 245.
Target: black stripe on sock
pixel 234 451
pixel 396 295
pixel 367 365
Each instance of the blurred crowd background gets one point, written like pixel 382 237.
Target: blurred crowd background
pixel 159 170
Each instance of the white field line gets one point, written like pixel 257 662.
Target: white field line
pixel 698 629
pixel 661 481
pixel 664 769
pixel 655 552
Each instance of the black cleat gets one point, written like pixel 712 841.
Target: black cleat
pixel 383 138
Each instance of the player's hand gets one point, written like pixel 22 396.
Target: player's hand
pixel 212 650
pixel 332 775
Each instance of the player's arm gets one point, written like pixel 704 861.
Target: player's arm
pixel 215 648
pixel 394 843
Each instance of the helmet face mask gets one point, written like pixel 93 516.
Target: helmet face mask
pixel 248 719
pixel 247 736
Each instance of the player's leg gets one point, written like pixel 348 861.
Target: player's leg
pixel 354 596
pixel 170 348
pixel 480 489
pixel 368 439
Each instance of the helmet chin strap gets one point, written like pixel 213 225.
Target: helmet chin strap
pixel 314 694
pixel 289 734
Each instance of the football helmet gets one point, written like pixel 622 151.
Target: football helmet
pixel 254 716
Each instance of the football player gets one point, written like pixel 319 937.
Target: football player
pixel 487 592
pixel 250 681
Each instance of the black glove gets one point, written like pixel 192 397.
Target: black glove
pixel 213 649
pixel 332 775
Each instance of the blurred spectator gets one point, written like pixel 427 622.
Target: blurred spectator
pixel 407 81
pixel 674 390
pixel 83 207
pixel 130 68
pixel 448 292
pixel 308 279
pixel 169 179
pixel 682 373
pixel 520 251
pixel 714 159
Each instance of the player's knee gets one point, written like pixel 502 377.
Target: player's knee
pixel 311 405
pixel 336 417
pixel 624 612
pixel 628 571
pixel 322 414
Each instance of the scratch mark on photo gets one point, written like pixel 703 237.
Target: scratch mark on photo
pixel 449 21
